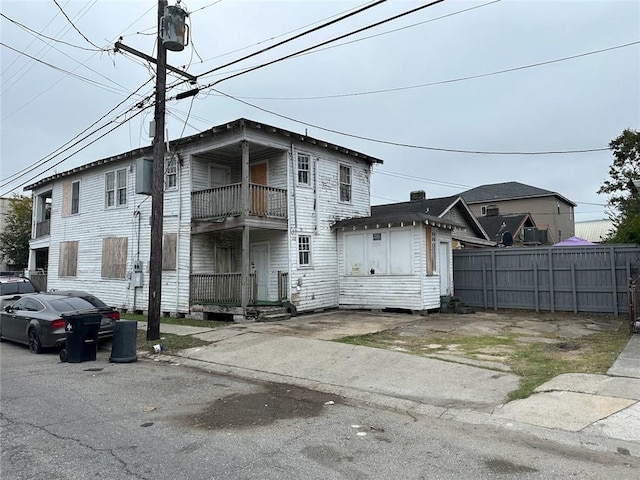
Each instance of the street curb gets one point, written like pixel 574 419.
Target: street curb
pixel 415 408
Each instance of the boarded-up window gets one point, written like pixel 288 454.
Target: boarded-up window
pixel 114 257
pixel 70 198
pixel 400 252
pixel 379 253
pixel 68 261
pixel 169 243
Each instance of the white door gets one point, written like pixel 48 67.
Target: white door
pixel 443 267
pixel 259 257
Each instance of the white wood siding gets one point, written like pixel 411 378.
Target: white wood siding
pixel 417 291
pixel 313 210
pixel 132 221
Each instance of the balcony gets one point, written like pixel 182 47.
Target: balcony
pixel 266 204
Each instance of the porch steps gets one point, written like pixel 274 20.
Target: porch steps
pixel 269 314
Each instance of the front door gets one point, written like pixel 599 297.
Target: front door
pixel 443 267
pixel 259 257
pixel 258 194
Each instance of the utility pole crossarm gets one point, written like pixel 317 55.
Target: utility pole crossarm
pixel 148 58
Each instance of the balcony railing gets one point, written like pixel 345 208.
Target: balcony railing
pixel 226 201
pixel 220 288
pixel 43 228
pixel 283 286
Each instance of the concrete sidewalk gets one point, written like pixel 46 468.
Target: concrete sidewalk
pixel 603 406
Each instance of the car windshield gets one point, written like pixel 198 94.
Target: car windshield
pixel 70 304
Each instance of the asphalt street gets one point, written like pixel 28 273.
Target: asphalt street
pixel 160 420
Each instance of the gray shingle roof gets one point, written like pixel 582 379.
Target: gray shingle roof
pixel 507 191
pixel 496 225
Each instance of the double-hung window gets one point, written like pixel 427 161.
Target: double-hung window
pixel 303 169
pixel 116 188
pixel 345 183
pixel 304 250
pixel 171 173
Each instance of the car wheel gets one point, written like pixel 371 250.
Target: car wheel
pixel 34 342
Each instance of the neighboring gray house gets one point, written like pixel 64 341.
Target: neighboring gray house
pixel 550 211
pixel 279 244
pixel 516 224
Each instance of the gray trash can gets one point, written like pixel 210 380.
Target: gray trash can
pixel 125 342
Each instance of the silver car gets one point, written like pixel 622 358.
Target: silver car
pixel 37 319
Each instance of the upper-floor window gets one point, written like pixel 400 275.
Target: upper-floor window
pixel 303 169
pixel 345 183
pixel 304 250
pixel 75 197
pixel 70 198
pixel 116 188
pixel 571 213
pixel 483 210
pixel 171 173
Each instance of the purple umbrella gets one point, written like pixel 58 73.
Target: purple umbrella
pixel 573 242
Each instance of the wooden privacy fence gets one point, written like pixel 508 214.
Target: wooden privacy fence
pixel 576 279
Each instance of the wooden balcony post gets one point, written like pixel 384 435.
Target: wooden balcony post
pixel 246 267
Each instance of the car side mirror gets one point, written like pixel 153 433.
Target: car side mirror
pixel 16 297
pixel 8 308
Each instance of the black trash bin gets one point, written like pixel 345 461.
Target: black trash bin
pixel 82 337
pixel 124 345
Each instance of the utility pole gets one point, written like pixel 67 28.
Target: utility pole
pixel 157 188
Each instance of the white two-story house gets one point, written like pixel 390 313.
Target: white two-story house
pixel 243 199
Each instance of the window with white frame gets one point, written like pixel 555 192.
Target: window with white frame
pixel 304 250
pixel 304 162
pixel 116 188
pixel 75 197
pixel 483 210
pixel 171 173
pixel 345 183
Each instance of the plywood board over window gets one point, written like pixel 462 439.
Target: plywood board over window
pixel 169 243
pixel 114 257
pixel 70 198
pixel 68 263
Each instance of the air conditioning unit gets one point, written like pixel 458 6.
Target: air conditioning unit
pixel 531 235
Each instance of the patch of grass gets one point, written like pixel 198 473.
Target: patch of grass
pixel 171 344
pixel 191 322
pixel 534 363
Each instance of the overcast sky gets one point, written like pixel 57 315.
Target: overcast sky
pixel 575 104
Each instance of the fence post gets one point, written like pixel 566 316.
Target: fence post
pixel 573 287
pixel 535 286
pixel 614 283
pixel 494 280
pixel 552 292
pixel 484 285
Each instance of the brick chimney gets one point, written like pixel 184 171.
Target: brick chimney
pixel 417 195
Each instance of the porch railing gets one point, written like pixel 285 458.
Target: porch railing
pixel 283 286
pixel 220 288
pixel 227 201
pixel 43 228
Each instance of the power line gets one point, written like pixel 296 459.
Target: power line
pixel 67 72
pixel 408 145
pixel 38 34
pixel 85 146
pixel 340 37
pixel 74 27
pixel 452 80
pixel 62 148
pixel 295 37
pixel 273 38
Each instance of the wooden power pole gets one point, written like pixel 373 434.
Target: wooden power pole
pixel 157 188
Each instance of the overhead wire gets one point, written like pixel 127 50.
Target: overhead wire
pixel 452 80
pixel 74 26
pixel 414 146
pixel 62 148
pixel 38 34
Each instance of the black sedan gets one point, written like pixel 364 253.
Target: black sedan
pixel 37 319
